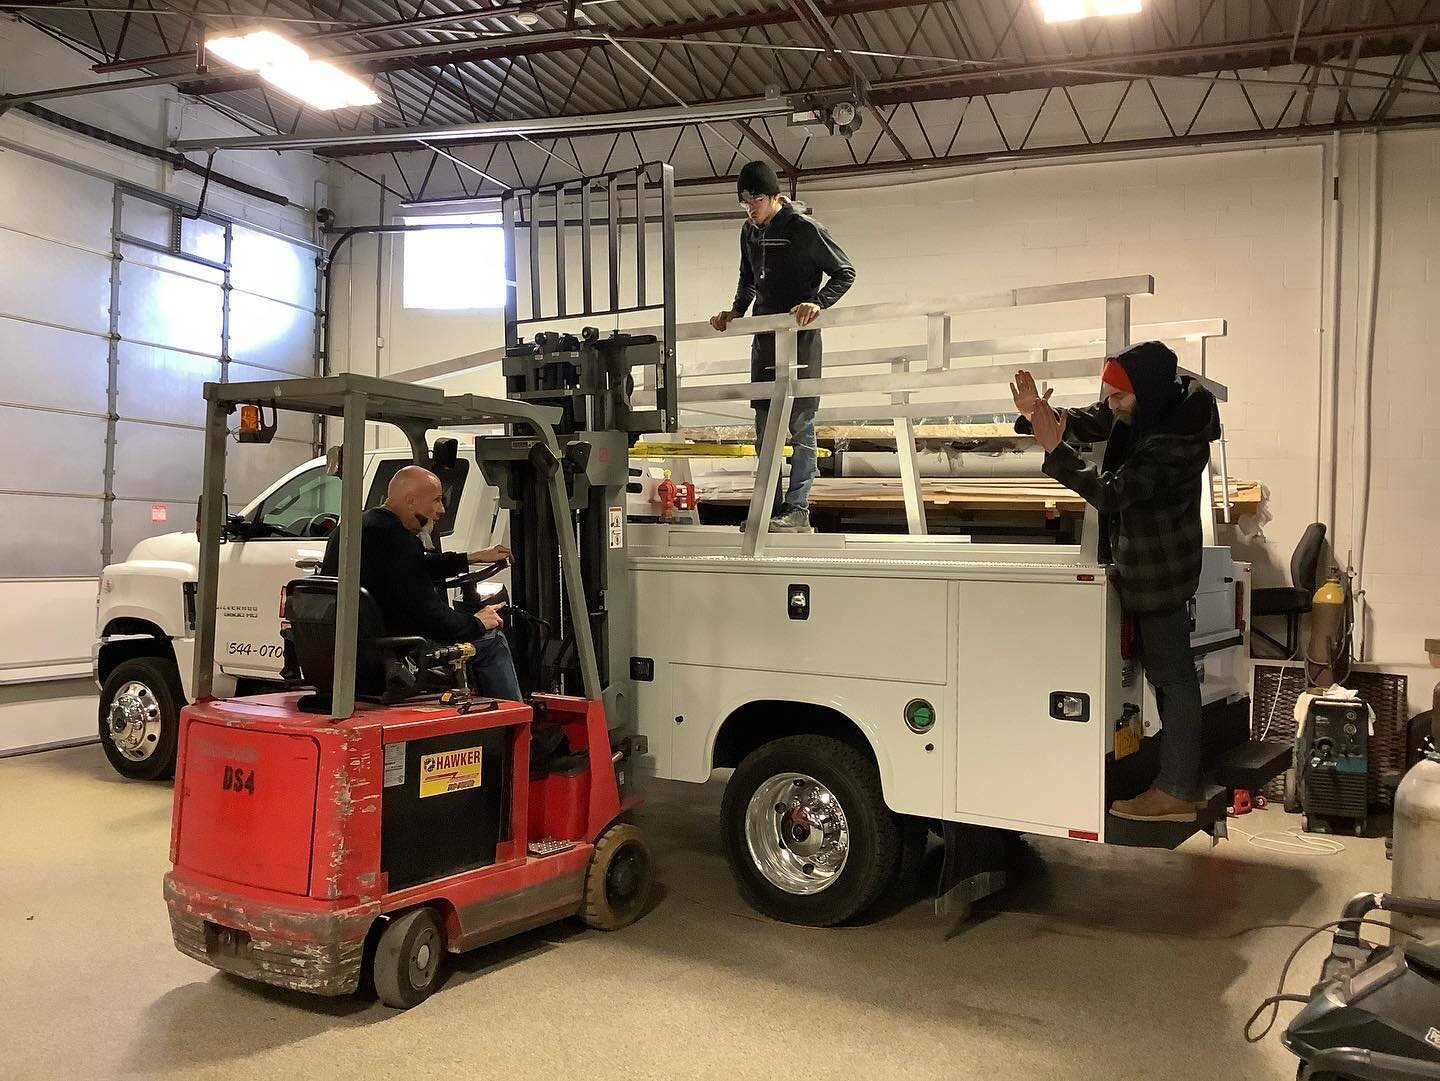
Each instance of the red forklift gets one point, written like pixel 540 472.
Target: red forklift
pixel 356 829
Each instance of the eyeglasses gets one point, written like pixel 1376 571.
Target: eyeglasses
pixel 749 198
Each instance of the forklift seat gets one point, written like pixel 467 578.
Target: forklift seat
pixel 387 669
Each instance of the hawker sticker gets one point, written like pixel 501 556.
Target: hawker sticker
pixel 450 771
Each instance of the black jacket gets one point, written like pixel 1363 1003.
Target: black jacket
pixel 402 575
pixel 1149 492
pixel 782 262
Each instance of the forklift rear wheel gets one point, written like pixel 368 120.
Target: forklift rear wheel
pixel 808 834
pixel 140 718
pixel 617 885
pixel 409 959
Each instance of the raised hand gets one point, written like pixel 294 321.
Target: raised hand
pixel 1049 426
pixel 1026 394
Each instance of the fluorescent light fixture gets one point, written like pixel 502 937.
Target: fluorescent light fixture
pixel 256 51
pixel 289 68
pixel 1062 11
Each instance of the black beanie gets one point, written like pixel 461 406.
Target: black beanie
pixel 1151 367
pixel 758 178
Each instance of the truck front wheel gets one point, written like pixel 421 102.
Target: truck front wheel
pixel 140 718
pixel 807 832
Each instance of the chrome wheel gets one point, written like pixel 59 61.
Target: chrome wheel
pixel 135 721
pixel 797 833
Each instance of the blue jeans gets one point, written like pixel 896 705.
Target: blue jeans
pixel 1170 669
pixel 803 467
pixel 492 672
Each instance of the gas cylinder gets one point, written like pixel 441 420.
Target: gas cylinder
pixel 665 493
pixel 1327 653
pixel 1416 870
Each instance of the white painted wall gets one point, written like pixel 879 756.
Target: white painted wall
pixel 54 268
pixel 1233 233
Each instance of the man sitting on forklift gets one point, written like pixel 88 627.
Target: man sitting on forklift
pixel 402 575
pixel 1157 431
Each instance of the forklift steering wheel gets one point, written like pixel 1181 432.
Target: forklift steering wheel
pixel 472 577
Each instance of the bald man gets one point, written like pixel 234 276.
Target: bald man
pixel 403 576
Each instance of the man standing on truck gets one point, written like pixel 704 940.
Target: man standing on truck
pixel 783 254
pixel 403 576
pixel 1157 431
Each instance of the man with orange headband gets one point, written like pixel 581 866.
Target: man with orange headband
pixel 1157 431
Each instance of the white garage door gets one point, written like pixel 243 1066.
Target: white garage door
pixel 115 309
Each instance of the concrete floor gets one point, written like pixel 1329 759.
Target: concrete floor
pixel 1098 963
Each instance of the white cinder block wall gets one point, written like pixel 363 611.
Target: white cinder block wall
pixel 1238 234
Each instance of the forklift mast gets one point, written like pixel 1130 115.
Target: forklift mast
pixel 557 356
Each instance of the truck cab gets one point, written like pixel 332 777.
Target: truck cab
pixel 145 618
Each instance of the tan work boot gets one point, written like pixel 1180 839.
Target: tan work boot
pixel 1154 805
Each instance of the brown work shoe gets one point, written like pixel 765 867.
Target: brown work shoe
pixel 1154 805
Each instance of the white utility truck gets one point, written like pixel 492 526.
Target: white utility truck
pixel 863 687
pixel 145 618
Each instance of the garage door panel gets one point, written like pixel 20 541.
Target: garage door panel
pixel 41 451
pixel 169 310
pixel 271 335
pixel 71 532
pixel 249 470
pixel 160 384
pixel 205 239
pixel 146 220
pixel 51 283
pixel 51 201
pixel 170 264
pixel 272 268
pixel 47 366
pixel 157 462
pixel 300 426
pixel 132 521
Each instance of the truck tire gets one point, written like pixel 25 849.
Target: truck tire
pixel 140 718
pixel 809 838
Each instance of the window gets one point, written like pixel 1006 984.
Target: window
pixel 292 509
pixel 452 486
pixel 455 269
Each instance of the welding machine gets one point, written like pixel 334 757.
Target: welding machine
pixel 1333 764
pixel 385 816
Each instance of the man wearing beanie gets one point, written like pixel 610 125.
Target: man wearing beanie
pixel 1157 431
pixel 783 255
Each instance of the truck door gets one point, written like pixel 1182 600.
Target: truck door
pixel 287 530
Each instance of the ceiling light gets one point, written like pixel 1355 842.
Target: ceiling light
pixel 256 51
pixel 527 19
pixel 1060 11
pixel 289 68
pixel 320 85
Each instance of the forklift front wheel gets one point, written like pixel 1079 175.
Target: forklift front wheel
pixel 617 885
pixel 409 959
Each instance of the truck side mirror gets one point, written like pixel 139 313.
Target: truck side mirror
pixel 445 454
pixel 225 518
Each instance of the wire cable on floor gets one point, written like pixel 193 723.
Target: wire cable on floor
pixel 1272 1002
pixel 1289 842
